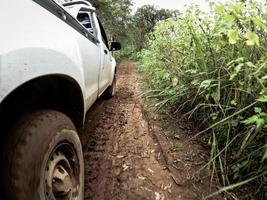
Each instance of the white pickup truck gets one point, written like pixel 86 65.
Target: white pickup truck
pixel 55 61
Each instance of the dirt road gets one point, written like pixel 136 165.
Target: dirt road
pixel 127 155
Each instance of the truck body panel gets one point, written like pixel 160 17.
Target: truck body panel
pixel 38 44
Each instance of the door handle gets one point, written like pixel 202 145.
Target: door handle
pixel 105 51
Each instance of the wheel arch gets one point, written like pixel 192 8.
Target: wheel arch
pixel 57 92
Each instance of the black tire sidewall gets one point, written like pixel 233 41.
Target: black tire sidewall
pixel 70 136
pixel 36 137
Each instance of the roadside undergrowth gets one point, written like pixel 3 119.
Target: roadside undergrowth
pixel 212 68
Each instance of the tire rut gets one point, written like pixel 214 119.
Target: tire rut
pixel 123 149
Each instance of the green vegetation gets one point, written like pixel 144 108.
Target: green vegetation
pixel 212 68
pixel 175 147
pixel 144 21
pixel 128 28
pixel 115 17
pixel 170 134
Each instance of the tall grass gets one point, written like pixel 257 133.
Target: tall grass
pixel 212 68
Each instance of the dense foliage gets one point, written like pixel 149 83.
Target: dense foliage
pixel 115 16
pixel 209 67
pixel 213 69
pixel 129 28
pixel 144 21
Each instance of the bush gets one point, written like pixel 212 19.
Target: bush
pixel 212 68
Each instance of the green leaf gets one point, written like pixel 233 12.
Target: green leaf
pixel 214 115
pixel 233 102
pixel 250 64
pixel 232 76
pixel 264 77
pixel 229 18
pixel 251 120
pixel 174 82
pixel 258 22
pixel 260 123
pixel 252 38
pixel 219 9
pixel 237 70
pixel 257 110
pixel 264 156
pixel 262 98
pixel 195 82
pixel 239 67
pixel 205 84
pixel 238 8
pixel 214 95
pixel 233 36
pixel 263 115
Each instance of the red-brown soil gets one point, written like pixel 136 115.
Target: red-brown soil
pixel 128 156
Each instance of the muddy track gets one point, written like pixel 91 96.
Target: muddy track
pixel 125 157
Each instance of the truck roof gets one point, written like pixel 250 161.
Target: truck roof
pixel 77 2
pixel 74 3
pixel 74 6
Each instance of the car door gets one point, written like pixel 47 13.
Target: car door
pixel 106 60
pixel 90 55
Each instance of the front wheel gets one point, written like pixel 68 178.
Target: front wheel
pixel 46 159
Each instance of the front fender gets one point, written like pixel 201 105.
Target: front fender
pixel 20 66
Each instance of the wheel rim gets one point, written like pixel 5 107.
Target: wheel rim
pixel 62 173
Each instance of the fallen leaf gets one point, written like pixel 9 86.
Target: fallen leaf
pixel 167 187
pixel 120 156
pixel 141 177
pixel 143 124
pixel 125 167
pixel 150 170
pixel 147 189
pixel 177 137
pixel 159 196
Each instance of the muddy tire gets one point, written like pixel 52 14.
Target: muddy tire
pixel 45 160
pixel 111 90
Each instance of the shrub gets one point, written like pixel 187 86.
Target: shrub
pixel 212 67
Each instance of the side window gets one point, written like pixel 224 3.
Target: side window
pixel 86 20
pixel 103 34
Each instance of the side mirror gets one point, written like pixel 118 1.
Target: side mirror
pixel 115 46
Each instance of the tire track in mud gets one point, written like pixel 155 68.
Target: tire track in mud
pixel 117 158
pixel 123 156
